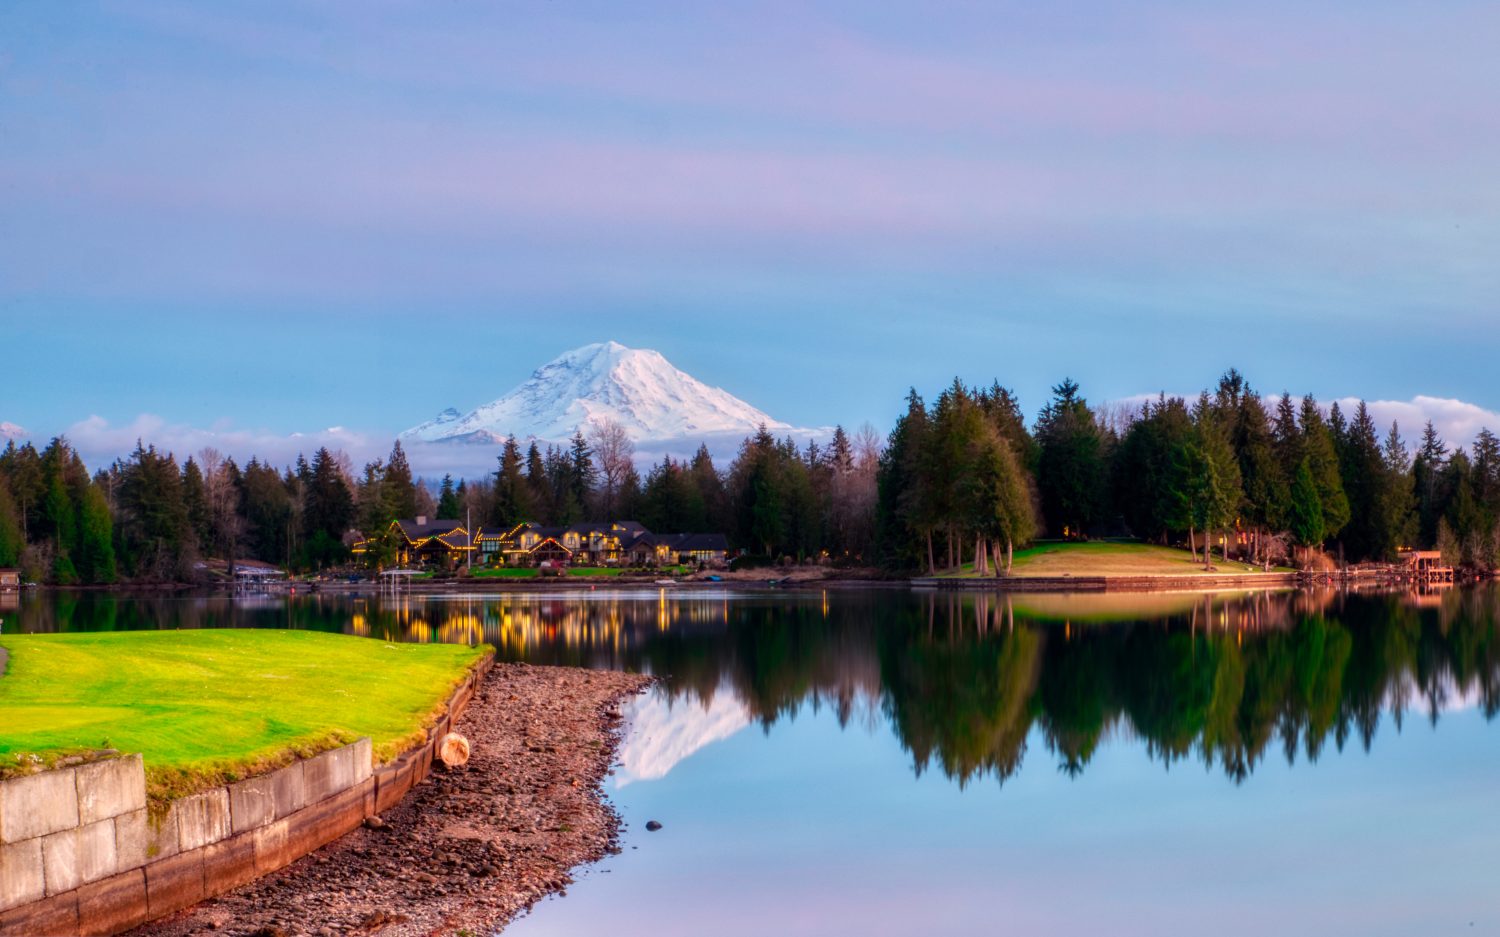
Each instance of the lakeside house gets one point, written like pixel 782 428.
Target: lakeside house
pixel 447 544
pixel 10 580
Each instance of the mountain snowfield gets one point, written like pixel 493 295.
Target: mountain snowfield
pixel 635 387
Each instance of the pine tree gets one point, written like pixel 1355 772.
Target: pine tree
pixel 1322 461
pixel 96 549
pixel 1427 471
pixel 447 506
pixel 512 503
pixel 1307 523
pixel 583 474
pixel 1362 466
pixel 1070 472
pixel 398 490
pixel 1398 499
pixel 12 539
pixel 195 502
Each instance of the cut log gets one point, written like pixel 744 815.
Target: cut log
pixel 453 750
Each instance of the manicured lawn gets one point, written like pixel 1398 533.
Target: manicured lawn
pixel 1099 558
pixel 205 707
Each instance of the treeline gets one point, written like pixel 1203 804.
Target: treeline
pixel 1257 478
pixel 776 498
pixel 147 518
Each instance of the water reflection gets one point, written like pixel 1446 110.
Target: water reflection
pixel 963 680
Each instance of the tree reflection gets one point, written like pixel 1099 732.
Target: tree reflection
pixel 966 681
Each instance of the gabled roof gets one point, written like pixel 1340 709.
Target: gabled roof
pixel 700 542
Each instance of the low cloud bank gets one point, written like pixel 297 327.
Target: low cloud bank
pixel 99 443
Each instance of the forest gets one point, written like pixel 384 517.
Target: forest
pixel 963 481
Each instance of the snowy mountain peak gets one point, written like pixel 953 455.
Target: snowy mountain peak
pixel 635 387
pixel 9 431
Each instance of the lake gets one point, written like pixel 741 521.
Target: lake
pixel 894 762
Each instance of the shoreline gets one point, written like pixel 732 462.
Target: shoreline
pixel 466 849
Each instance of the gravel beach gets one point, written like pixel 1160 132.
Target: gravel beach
pixel 468 849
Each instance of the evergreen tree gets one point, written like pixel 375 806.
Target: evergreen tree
pixel 328 511
pixel 1362 466
pixel 1427 472
pixel 512 503
pixel 1322 461
pixel 96 549
pixel 541 500
pixel 447 505
pixel 1307 523
pixel 12 538
pixel 1070 472
pixel 583 475
pixel 369 498
pixel 1398 498
pixel 195 503
pixel 398 490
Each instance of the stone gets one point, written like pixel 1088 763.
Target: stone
pixel 202 818
pixel 174 883
pixel 338 770
pixel 107 789
pixel 76 857
pixel 57 915
pixel 38 805
pixel 162 840
pixel 259 801
pixel 115 904
pixel 21 878
pixel 229 863
pixel 132 840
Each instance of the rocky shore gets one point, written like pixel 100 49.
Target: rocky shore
pixel 468 849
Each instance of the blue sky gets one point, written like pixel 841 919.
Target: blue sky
pixel 285 217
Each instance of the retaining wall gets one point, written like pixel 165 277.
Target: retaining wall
pixel 79 853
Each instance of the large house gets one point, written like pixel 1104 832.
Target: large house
pixel 616 543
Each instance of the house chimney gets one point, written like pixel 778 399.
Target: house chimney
pixel 421 520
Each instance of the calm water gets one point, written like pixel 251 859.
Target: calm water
pixel 898 763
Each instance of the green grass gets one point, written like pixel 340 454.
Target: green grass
pixel 208 707
pixel 1100 558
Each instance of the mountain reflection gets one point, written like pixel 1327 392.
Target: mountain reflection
pixel 965 681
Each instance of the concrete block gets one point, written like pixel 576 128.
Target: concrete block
pixel 229 863
pixel 338 770
pixel 77 857
pixel 112 905
pixel 21 879
pixel 202 818
pixel 53 917
pixel 162 840
pixel 273 847
pixel 110 788
pixel 258 801
pixel 132 840
pixel 173 884
pixel 38 804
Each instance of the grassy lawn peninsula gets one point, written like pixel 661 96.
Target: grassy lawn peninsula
pixel 206 707
pixel 1101 558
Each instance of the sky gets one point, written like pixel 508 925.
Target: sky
pixel 264 219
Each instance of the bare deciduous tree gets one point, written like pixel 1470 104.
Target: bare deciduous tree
pixel 614 453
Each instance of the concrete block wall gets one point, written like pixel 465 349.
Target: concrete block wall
pixel 79 853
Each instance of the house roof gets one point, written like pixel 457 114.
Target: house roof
pixel 450 533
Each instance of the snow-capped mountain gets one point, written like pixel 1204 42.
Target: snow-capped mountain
pixel 9 431
pixel 635 387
